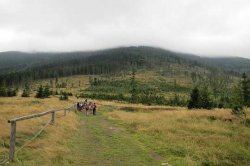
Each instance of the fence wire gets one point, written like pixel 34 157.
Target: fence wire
pixel 30 140
pixel 5 156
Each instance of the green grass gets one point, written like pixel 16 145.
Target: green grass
pixel 188 140
pixel 117 85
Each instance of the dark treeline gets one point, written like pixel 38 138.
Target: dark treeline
pixel 19 78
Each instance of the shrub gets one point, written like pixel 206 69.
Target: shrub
pixel 238 111
pixel 200 99
pixel 43 92
pixel 64 96
pixel 3 92
pixel 177 101
pixel 194 101
pixel 26 91
pixel 7 92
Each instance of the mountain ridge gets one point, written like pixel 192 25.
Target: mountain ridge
pixel 47 65
pixel 202 59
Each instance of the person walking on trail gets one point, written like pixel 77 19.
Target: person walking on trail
pixel 78 106
pixel 85 106
pixel 85 102
pixel 94 109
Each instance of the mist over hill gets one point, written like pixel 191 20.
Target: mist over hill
pixel 14 65
pixel 236 64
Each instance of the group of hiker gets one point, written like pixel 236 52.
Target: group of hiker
pixel 86 106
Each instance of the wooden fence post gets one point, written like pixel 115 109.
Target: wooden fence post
pixel 53 117
pixel 12 141
pixel 13 127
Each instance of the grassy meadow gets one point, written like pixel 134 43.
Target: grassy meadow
pixel 151 134
pixel 123 133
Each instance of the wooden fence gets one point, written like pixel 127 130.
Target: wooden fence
pixel 15 120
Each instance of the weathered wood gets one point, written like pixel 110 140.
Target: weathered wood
pixel 52 117
pixel 37 114
pixel 13 126
pixel 12 141
pixel 32 116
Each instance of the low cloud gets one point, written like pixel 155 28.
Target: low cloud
pixel 207 27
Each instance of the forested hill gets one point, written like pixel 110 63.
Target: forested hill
pixel 118 57
pixel 236 64
pixel 19 66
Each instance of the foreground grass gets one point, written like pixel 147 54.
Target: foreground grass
pixel 126 134
pixel 184 137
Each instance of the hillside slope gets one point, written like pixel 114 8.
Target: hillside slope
pixel 234 64
pixel 141 56
pixel 17 67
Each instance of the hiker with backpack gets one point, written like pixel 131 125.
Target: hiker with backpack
pixel 85 103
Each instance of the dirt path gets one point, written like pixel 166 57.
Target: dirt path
pixel 102 142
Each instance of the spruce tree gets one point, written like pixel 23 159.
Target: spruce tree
pixel 95 81
pixel 133 90
pixel 11 92
pixel 205 100
pixel 237 101
pixel 245 90
pixel 40 92
pixel 194 101
pixel 237 98
pixel 3 91
pixel 46 91
pixel 26 91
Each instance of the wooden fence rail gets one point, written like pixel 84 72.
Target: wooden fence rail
pixel 13 126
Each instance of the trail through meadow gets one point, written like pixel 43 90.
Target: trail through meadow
pixel 101 142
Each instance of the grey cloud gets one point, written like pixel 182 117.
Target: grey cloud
pixel 207 27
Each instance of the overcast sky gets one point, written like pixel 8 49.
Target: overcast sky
pixel 203 27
